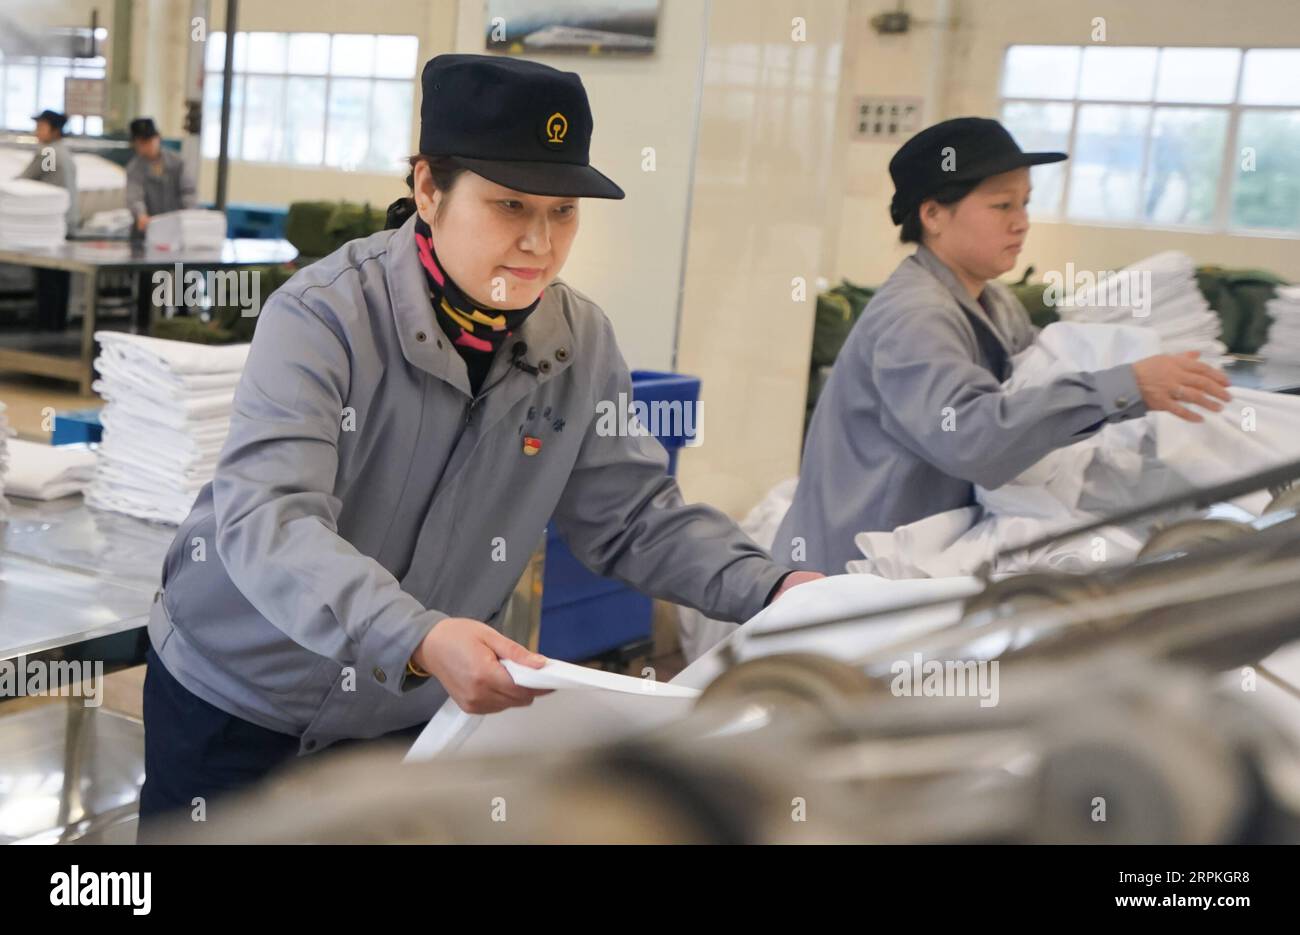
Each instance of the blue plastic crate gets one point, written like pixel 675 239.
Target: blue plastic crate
pixel 654 386
pixel 261 222
pixel 76 427
pixel 583 614
pixel 595 625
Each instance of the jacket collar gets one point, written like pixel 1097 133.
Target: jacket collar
pixel 424 345
pixel 940 271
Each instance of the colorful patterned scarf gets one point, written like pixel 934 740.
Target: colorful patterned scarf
pixel 476 333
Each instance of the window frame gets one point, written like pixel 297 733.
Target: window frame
pixel 1228 180
pixel 77 68
pixel 328 76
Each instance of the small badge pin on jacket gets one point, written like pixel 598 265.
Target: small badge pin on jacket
pixel 532 445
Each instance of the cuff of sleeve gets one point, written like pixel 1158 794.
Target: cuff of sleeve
pixel 776 587
pixel 1120 398
pixel 388 644
pixel 769 583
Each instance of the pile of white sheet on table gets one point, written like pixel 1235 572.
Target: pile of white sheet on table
pixel 1123 466
pixel 47 472
pixel 32 214
pixel 166 418
pixel 1284 330
pixel 189 228
pixel 1160 293
pixel 116 221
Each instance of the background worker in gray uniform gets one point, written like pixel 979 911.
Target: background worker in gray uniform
pixel 914 413
pixel 54 165
pixel 157 181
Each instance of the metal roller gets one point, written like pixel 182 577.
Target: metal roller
pixel 1020 595
pixel 1187 536
pixel 796 685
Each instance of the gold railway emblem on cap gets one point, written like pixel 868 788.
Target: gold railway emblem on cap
pixel 557 125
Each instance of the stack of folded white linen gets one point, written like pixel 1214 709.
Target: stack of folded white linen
pixel 32 214
pixel 189 229
pixel 1283 342
pixel 47 472
pixel 167 416
pixel 1123 466
pixel 1160 293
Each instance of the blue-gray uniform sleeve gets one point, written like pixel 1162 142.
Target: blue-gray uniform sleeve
pixel 623 516
pixel 954 413
pixel 135 170
pixel 276 514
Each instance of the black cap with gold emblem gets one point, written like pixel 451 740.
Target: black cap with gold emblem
pixel 521 124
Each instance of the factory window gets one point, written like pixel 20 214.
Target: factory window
pixel 1187 138
pixel 314 99
pixel 32 81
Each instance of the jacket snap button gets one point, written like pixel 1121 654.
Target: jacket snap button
pixel 421 336
pixel 310 745
pixel 544 366
pixel 562 354
pixel 380 675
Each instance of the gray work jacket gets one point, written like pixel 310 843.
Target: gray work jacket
pixel 61 171
pixel 169 187
pixel 363 495
pixel 914 413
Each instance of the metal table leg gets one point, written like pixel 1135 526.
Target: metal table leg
pixel 71 808
pixel 88 330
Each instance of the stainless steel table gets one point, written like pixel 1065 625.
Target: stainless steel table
pixel 92 257
pixel 74 583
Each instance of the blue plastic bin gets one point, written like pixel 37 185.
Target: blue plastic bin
pixel 585 615
pixel 260 222
pixel 76 427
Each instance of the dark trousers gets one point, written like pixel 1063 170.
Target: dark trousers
pixel 194 750
pixel 52 287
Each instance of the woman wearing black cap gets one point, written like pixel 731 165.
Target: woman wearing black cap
pixel 914 413
pixel 414 409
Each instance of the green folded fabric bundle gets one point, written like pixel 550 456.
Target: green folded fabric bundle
pixel 837 311
pixel 1239 296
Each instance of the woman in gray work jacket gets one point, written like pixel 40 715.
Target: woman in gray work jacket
pixel 414 409
pixel 914 413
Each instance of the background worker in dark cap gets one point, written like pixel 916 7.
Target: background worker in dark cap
pixel 914 413
pixel 157 180
pixel 414 409
pixel 53 164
